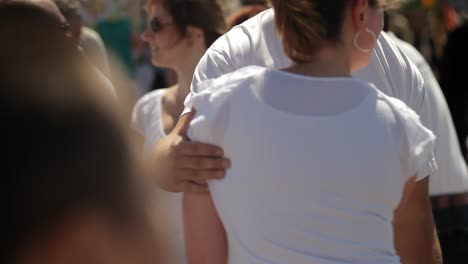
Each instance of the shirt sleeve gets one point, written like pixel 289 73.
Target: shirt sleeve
pixel 228 54
pixel 400 73
pixel 143 114
pixel 416 146
pixel 212 110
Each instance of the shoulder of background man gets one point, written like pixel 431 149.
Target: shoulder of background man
pixel 254 42
pixel 394 73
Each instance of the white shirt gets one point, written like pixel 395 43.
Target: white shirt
pixel 316 185
pixel 451 176
pixel 255 42
pixel 147 117
pixel 147 120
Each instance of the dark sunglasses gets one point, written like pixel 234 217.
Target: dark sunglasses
pixel 157 26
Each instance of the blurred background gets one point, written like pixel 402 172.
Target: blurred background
pixel 423 23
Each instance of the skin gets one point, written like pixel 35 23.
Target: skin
pixel 415 239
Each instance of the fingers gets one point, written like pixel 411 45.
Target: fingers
pixel 194 187
pixel 202 163
pixel 184 122
pixel 201 175
pixel 198 149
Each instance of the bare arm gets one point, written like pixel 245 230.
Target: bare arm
pixel 205 237
pixel 415 236
pixel 179 165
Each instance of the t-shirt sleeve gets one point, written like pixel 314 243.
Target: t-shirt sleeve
pixel 416 148
pixel 210 105
pixel 143 113
pixel 212 65
pixel 400 73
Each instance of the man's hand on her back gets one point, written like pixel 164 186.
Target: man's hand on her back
pixel 180 165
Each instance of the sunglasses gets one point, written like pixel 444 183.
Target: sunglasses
pixel 157 26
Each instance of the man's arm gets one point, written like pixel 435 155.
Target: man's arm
pixel 415 235
pixel 183 166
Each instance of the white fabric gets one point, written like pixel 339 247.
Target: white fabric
pixel 147 117
pixel 147 120
pixel 309 188
pixel 452 176
pixel 255 42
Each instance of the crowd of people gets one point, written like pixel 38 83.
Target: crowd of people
pixel 297 131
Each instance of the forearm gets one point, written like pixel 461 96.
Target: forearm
pixel 416 239
pixel 205 237
pixel 416 242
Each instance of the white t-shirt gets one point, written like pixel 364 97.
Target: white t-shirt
pixel 317 182
pixel 451 176
pixel 147 117
pixel 147 120
pixel 255 42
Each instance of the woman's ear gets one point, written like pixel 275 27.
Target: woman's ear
pixel 195 35
pixel 359 13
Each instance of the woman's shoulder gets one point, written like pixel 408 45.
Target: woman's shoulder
pixel 147 109
pixel 150 100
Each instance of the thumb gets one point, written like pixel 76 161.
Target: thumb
pixel 185 122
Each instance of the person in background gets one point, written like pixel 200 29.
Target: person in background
pixel 88 39
pixel 178 33
pixel 325 167
pixel 244 13
pixel 74 190
pixel 449 184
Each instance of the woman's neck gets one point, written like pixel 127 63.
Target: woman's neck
pixel 185 75
pixel 328 62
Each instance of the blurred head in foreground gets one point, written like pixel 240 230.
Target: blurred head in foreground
pixel 73 190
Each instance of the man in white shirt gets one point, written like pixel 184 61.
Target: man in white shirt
pixel 449 184
pixel 184 166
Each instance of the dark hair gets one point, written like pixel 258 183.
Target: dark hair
pixel 244 14
pixel 70 9
pixel 65 150
pixel 306 25
pixel 205 14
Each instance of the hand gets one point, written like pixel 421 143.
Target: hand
pixel 184 166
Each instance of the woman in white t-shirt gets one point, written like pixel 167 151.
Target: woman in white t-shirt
pixel 325 168
pixel 178 34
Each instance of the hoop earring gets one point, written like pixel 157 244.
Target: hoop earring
pixel 356 44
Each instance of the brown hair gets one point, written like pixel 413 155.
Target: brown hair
pixel 306 25
pixel 205 14
pixel 244 14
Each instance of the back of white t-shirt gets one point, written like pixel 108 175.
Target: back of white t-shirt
pixel 317 184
